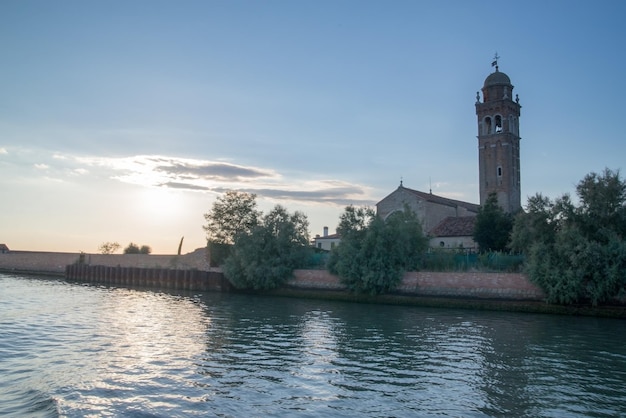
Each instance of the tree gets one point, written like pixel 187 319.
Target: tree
pixel 346 258
pixel 602 210
pixel 577 253
pixel 108 247
pixel 493 226
pixel 374 254
pixel 265 256
pixel 536 224
pixel 355 221
pixel 133 248
pixel 231 214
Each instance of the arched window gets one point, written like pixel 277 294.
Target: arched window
pixel 512 127
pixel 487 126
pixel 498 124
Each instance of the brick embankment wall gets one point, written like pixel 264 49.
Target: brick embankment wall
pixel 471 284
pixel 154 278
pixel 55 263
pixel 512 286
pixel 440 284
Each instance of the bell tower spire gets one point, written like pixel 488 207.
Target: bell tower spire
pixel 499 140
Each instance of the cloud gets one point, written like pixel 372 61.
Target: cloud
pixel 79 172
pixel 183 186
pixel 3 151
pixel 322 192
pixel 194 176
pixel 210 170
pixel 218 176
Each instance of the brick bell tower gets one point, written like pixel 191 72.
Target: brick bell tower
pixel 498 141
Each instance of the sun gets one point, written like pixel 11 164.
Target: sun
pixel 161 203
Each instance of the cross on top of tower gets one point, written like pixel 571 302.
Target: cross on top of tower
pixel 494 63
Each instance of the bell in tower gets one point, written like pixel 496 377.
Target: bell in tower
pixel 498 141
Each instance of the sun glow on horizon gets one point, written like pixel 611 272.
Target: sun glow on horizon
pixel 161 203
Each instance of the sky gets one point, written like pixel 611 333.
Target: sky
pixel 123 121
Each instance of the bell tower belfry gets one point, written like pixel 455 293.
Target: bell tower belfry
pixel 498 141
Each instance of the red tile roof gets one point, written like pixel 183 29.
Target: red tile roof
pixel 454 227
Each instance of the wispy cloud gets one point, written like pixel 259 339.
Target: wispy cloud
pixel 184 186
pixel 209 170
pixel 79 172
pixel 217 176
pixel 193 175
pixel 3 151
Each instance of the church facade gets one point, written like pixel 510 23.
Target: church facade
pixel 449 223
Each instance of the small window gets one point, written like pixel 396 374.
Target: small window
pixel 332 245
pixel 499 171
pixel 442 244
pixel 319 245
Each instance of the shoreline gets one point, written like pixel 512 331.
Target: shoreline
pixel 510 292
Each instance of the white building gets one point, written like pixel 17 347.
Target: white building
pixel 326 242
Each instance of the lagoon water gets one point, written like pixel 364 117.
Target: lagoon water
pixel 76 350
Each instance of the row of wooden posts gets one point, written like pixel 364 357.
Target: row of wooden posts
pixel 160 278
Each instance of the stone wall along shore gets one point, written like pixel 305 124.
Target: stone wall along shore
pixel 55 263
pixel 511 286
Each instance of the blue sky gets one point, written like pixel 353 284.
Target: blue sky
pixel 124 120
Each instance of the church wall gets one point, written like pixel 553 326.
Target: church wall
pixel 466 243
pixel 396 201
pixel 461 211
pixel 435 213
pixel 429 213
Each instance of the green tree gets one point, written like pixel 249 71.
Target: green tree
pixel 374 254
pixel 265 257
pixel 132 248
pixel 355 221
pixel 493 226
pixel 577 253
pixel 231 214
pixel 108 247
pixel 346 259
pixel 536 224
pixel 602 211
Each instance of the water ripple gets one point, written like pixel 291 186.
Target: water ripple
pixel 68 350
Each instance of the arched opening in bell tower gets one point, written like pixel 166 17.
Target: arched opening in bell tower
pixel 498 124
pixel 487 126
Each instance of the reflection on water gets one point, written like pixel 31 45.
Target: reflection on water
pixel 85 351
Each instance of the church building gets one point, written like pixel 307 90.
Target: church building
pixel 449 223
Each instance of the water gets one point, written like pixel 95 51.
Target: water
pixel 75 350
